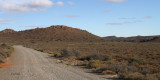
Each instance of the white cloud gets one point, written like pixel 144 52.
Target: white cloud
pixel 5 21
pixel 14 8
pixel 60 3
pixel 1 11
pixel 126 22
pixel 17 6
pixel 24 6
pixel 115 23
pixel 36 26
pixel 40 3
pixel 116 1
pixel 126 18
pixel 72 16
pixel 43 10
pixel 70 3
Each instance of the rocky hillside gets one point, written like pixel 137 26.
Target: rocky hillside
pixel 53 33
pixel 7 31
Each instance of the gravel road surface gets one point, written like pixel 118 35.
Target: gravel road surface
pixel 29 64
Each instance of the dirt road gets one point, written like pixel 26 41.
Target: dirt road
pixel 29 64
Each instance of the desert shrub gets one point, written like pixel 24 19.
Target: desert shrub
pixel 48 51
pixel 5 51
pixel 145 69
pixel 3 45
pixel 94 64
pixel 132 76
pixel 32 41
pixel 85 63
pixel 57 55
pixel 136 60
pixel 158 76
pixel 151 77
pixel 118 67
pixel 41 50
pixel 155 70
pixel 97 56
pixel 109 72
pixel 1 61
pixel 77 53
pixel 131 68
pixel 101 69
pixel 119 57
pixel 69 52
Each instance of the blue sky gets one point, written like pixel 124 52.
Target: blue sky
pixel 100 17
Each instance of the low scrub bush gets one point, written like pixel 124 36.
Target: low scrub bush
pixel 98 56
pixel 132 76
pixel 5 51
pixel 158 76
pixel 109 72
pixel 102 68
pixel 119 57
pixel 118 67
pixel 85 63
pixel 57 55
pixel 136 60
pixel 94 64
pixel 145 69
pixel 69 52
pixel 151 77
pixel 138 76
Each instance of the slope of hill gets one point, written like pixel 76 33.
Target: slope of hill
pixel 7 31
pixel 135 39
pixel 53 33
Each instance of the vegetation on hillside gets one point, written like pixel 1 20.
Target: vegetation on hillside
pixel 131 61
pixel 5 51
pixel 134 58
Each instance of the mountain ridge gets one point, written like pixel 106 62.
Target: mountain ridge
pixel 155 38
pixel 52 33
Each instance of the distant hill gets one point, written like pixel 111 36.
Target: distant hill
pixel 134 39
pixel 53 33
pixel 7 31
